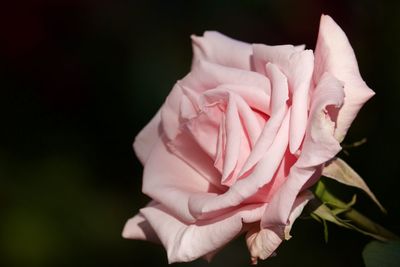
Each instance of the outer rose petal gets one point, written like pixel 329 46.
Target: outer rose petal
pixel 138 227
pixel 170 112
pixel 166 179
pixel 333 54
pixel 189 151
pixel 147 138
pixel 187 242
pixel 218 48
pixel 319 147
pixel 262 243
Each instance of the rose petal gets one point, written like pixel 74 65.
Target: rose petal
pixel 188 110
pixel 209 129
pixel 170 112
pixel 298 67
pixel 298 206
pixel 280 95
pixel 147 138
pixel 233 138
pixel 302 66
pixel 187 242
pixel 138 227
pixel 334 54
pixel 265 193
pixel 167 178
pixel 263 243
pixel 204 128
pixel 319 147
pixel 252 121
pixel 248 124
pixel 203 203
pixel 252 96
pixel 206 75
pixel 188 150
pixel 277 54
pixel 218 48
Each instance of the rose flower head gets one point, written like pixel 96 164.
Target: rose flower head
pixel 241 138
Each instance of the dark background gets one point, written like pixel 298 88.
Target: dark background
pixel 79 79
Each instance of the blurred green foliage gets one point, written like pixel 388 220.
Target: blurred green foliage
pixel 79 79
pixel 378 254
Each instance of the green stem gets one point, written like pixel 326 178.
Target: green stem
pixel 353 215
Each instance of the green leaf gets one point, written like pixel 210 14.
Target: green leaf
pixel 340 171
pixel 377 254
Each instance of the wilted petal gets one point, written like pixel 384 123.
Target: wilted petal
pixel 263 243
pixel 320 145
pixel 340 171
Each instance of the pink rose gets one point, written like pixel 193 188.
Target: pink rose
pixel 240 139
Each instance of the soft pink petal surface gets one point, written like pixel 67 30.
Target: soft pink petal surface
pixel 218 48
pixel 167 178
pixel 334 54
pixel 147 138
pixel 319 146
pixel 298 68
pixel 186 242
pixel 203 203
pixel 138 227
pixel 262 243
pixel 240 138
pixel 280 94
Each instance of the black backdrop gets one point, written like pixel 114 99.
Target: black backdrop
pixel 79 79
